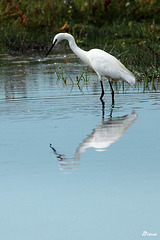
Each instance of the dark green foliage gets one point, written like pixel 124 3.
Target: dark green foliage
pixel 130 30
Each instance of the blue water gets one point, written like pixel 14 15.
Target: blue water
pixel 100 179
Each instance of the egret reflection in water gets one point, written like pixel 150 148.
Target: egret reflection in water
pixel 107 132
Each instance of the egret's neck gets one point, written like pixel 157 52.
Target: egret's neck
pixel 78 51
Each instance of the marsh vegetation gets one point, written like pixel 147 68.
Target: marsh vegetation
pixel 129 30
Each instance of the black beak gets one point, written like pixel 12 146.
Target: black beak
pixel 50 48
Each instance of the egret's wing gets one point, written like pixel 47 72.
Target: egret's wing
pixel 108 66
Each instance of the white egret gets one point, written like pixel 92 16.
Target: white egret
pixel 103 63
pixel 106 133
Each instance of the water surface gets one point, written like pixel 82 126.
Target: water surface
pixel 99 178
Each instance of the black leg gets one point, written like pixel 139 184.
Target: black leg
pixel 111 110
pixel 102 94
pixel 112 92
pixel 103 108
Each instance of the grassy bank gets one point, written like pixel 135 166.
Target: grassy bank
pixel 130 30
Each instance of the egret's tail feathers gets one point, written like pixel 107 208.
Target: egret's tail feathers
pixel 128 77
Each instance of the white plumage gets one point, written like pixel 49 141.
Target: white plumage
pixel 108 66
pixel 103 63
pixel 106 133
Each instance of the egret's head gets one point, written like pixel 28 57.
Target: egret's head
pixel 58 38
